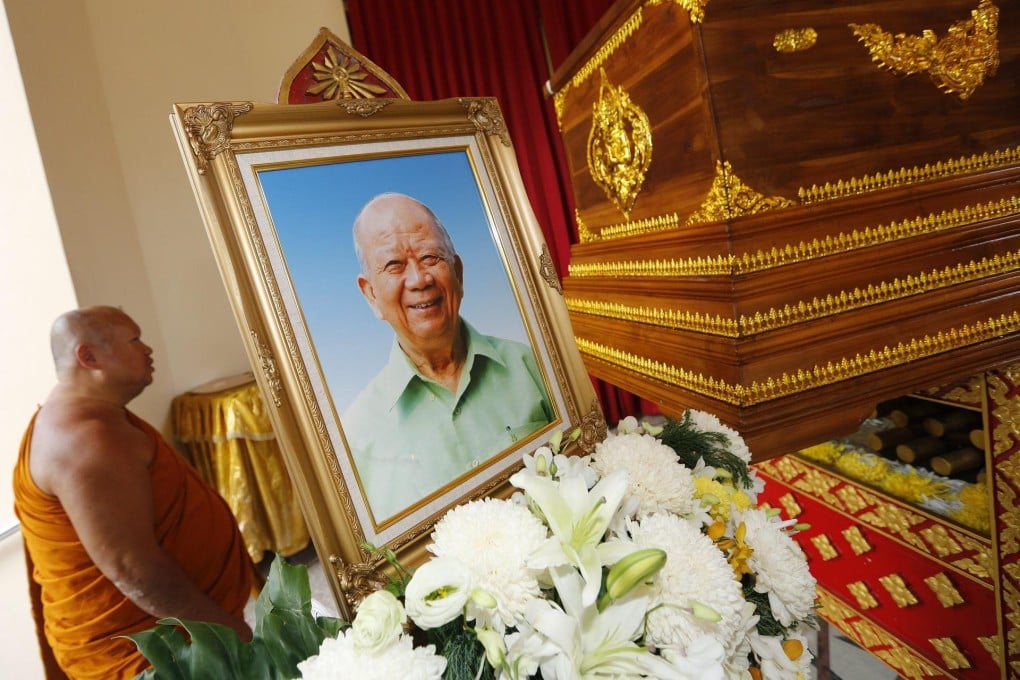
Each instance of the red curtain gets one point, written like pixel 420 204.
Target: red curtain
pixel 506 49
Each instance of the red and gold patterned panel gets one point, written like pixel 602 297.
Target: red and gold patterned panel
pixel 914 590
pixel 330 69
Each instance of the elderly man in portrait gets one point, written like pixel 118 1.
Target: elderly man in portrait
pixel 449 398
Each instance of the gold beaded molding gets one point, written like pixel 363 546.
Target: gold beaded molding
pixel 643 226
pixel 747 263
pixel 802 311
pixel 593 64
pixel 817 376
pixel 904 176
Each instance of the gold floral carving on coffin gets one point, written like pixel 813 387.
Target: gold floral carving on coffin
pixel 209 127
pixel 340 76
pixel 856 539
pixel 956 550
pixel 878 641
pixel 729 197
pixel 830 244
pixel 268 365
pixel 836 370
pixel 486 116
pixel 608 48
pixel 808 310
pixel 957 63
pixel 695 8
pixel 855 186
pixel 791 40
pixel 619 146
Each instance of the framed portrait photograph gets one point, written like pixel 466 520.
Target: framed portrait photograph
pixel 398 304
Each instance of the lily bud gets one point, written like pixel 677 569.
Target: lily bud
pixel 555 441
pixel 540 464
pixel 704 612
pixel 495 651
pixel 483 598
pixel 632 570
pixel 576 434
pixel 801 526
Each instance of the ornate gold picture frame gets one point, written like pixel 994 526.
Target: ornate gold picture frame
pixel 279 187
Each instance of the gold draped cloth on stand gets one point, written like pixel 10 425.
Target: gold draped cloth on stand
pixel 230 440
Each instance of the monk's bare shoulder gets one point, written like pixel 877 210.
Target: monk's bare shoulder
pixel 76 438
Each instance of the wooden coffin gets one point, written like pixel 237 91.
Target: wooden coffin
pixel 789 211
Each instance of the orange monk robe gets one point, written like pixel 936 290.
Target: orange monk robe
pixel 83 611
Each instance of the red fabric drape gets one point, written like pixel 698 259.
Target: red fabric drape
pixel 438 49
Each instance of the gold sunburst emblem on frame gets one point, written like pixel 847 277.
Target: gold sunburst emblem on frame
pixel 619 146
pixel 340 77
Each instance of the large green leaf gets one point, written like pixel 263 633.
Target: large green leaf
pixel 286 633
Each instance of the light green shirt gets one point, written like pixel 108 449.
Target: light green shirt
pixel 410 435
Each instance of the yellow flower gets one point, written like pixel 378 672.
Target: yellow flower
pixel 738 552
pixel 340 77
pixel 825 453
pixel 865 467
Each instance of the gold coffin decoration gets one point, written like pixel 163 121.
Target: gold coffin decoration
pixel 816 225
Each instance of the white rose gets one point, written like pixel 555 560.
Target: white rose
pixel 379 622
pixel 437 592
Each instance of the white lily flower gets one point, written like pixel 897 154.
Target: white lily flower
pixel 578 519
pixel 593 644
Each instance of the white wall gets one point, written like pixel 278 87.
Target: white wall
pixel 100 77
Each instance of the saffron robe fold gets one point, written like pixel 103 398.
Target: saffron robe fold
pixel 83 611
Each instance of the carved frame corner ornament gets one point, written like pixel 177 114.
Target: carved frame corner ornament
pixel 619 146
pixel 593 428
pixel 547 270
pixel 358 580
pixel 487 117
pixel 268 365
pixel 209 126
pixel 957 63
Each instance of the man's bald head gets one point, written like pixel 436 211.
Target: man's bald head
pixel 89 325
pixel 384 204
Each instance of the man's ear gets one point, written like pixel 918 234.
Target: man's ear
pixel 458 269
pixel 85 354
pixel 368 292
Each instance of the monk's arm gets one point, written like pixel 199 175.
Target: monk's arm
pixel 105 488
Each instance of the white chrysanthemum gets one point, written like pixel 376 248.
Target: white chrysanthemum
pixel 706 422
pixel 656 477
pixel 339 659
pixel 780 568
pixel 695 572
pixel 493 539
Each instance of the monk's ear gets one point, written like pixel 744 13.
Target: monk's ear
pixel 368 292
pixel 85 355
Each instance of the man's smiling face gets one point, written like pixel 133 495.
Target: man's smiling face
pixel 413 280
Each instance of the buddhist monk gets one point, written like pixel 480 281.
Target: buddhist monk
pixel 119 531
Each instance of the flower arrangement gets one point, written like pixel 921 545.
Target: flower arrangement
pixel 648 558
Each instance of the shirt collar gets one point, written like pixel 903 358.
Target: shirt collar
pixel 400 371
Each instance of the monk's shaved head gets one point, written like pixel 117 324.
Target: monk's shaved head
pixel 89 325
